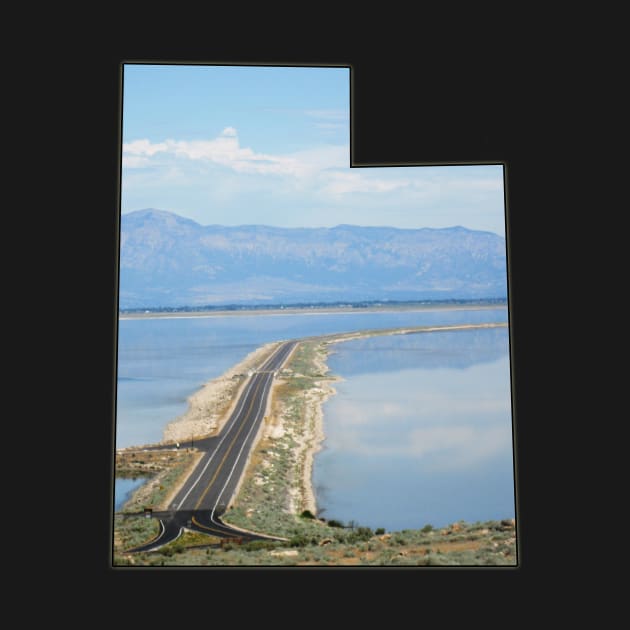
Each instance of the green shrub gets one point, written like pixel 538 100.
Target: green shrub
pixel 299 540
pixel 427 528
pixel 307 514
pixel 257 545
pixel 333 523
pixel 358 535
pixel 432 560
pixel 380 531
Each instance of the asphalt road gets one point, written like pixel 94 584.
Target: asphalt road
pixel 205 495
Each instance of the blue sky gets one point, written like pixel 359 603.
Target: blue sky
pixel 236 145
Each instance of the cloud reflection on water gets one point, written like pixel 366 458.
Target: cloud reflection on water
pixel 401 436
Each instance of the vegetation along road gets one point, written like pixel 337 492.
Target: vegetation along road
pixel 206 493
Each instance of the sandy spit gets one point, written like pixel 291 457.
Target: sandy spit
pixel 309 435
pixel 315 398
pixel 309 443
pixel 211 406
pixel 319 310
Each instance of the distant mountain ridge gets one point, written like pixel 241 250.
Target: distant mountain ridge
pixel 169 260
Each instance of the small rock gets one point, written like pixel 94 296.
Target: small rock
pixel 286 552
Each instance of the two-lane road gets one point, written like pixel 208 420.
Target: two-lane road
pixel 206 493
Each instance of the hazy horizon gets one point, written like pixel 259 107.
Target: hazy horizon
pixel 303 227
pixel 254 145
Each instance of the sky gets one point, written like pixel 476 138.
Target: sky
pixel 238 145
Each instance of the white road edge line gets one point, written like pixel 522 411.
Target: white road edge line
pixel 267 386
pixel 158 537
pixel 181 531
pixel 235 416
pixel 238 457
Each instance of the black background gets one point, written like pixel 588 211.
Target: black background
pixel 477 98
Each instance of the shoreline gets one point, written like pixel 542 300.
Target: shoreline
pixel 315 310
pixel 322 390
pixel 309 500
pixel 309 438
pixel 211 406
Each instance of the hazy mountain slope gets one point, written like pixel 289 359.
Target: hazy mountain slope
pixel 167 260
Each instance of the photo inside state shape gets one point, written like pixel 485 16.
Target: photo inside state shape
pixel 313 358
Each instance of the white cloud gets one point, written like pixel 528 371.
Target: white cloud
pixel 352 182
pixel 323 158
pixel 135 161
pixel 314 186
pixel 224 149
pixel 143 147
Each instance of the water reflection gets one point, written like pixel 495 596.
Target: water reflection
pixel 421 433
pixel 452 349
pixel 161 362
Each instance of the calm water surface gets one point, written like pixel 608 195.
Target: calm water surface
pixel 123 489
pixel 161 362
pixel 420 431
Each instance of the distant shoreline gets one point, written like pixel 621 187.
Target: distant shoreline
pixel 311 310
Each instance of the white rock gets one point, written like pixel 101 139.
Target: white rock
pixel 285 552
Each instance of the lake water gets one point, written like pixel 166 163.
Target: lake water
pixel 162 361
pixel 123 489
pixel 420 432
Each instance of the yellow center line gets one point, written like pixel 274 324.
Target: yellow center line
pixel 229 448
pixel 194 519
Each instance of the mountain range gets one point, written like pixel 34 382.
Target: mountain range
pixel 170 261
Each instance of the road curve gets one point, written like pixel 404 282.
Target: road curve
pixel 206 493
